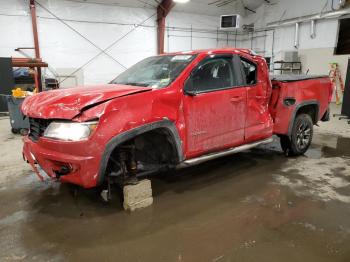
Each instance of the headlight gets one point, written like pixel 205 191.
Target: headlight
pixel 70 131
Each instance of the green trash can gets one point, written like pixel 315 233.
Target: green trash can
pixel 19 123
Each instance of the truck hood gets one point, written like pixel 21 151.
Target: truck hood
pixel 68 103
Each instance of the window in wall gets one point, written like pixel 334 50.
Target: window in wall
pixel 249 69
pixel 343 45
pixel 214 74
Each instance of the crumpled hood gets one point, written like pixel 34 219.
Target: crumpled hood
pixel 68 103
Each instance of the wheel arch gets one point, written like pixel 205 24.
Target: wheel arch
pixel 311 107
pixel 168 125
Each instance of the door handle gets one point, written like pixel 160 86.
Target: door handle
pixel 236 99
pixel 260 97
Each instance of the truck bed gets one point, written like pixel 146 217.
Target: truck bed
pixel 290 92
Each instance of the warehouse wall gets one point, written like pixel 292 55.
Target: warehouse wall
pixel 312 60
pixel 62 48
pixel 317 53
pixel 179 40
pixel 65 50
pixel 193 32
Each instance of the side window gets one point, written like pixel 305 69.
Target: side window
pixel 250 71
pixel 213 74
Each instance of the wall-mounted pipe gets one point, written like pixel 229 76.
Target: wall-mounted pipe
pixel 313 29
pixel 307 18
pixel 296 36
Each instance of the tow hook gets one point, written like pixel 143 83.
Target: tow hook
pixel 64 170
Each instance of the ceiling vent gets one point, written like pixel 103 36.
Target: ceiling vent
pixel 230 21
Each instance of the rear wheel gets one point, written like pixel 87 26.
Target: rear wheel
pixel 299 141
pixel 14 130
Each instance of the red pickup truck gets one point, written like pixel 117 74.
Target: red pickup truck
pixel 171 111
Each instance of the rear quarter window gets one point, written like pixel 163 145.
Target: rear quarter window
pixel 250 71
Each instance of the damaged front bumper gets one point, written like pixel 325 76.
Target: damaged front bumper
pixel 79 167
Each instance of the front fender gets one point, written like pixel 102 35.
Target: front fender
pixel 127 135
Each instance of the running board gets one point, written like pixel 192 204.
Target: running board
pixel 201 159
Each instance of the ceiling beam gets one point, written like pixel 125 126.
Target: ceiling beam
pixel 163 10
pixel 32 9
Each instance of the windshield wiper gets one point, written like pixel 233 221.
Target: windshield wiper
pixel 134 84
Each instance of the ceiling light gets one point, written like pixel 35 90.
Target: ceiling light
pixel 181 1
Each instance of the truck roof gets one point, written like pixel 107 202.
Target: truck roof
pixel 214 51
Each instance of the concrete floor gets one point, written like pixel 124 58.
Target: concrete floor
pixel 253 206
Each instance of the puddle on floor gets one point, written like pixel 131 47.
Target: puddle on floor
pixel 253 206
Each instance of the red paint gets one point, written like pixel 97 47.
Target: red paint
pixel 207 122
pixel 214 120
pixel 309 90
pixel 68 103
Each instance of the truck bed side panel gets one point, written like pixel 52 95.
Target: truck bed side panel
pixel 304 92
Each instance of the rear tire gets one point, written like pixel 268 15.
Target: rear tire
pixel 301 137
pixel 14 130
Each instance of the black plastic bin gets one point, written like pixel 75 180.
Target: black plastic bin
pixel 19 123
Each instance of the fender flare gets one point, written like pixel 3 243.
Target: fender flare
pixel 296 109
pixel 127 135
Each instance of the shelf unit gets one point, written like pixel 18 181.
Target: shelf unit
pixel 288 67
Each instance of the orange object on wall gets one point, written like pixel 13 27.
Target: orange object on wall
pixel 337 82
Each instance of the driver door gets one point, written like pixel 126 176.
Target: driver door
pixel 214 106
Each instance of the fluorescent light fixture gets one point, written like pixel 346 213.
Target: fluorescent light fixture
pixel 181 1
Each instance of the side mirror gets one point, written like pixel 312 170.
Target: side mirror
pixel 191 93
pixel 189 88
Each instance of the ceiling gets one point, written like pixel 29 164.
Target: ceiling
pixel 206 7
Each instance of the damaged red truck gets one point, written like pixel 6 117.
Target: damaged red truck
pixel 171 111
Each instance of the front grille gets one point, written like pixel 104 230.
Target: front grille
pixel 37 128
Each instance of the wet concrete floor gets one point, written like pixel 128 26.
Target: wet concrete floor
pixel 253 206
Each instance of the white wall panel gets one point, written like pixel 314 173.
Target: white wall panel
pixel 63 48
pixel 180 41
pixel 102 24
pixel 323 44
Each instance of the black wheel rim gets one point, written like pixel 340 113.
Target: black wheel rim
pixel 303 135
